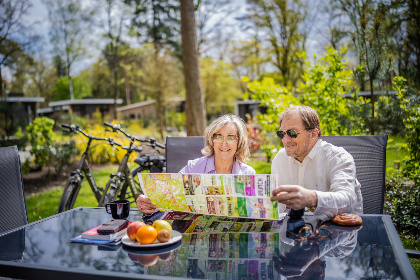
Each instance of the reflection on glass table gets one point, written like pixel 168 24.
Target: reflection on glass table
pixel 220 248
pixel 211 247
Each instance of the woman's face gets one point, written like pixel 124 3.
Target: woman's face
pixel 226 149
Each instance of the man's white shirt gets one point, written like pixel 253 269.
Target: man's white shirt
pixel 327 169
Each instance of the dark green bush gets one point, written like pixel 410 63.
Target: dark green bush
pixel 63 154
pixel 403 205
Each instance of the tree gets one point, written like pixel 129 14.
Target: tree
pixel 220 86
pixel 195 109
pixel 157 22
pixel 14 34
pixel 403 26
pixel 247 59
pixel 116 20
pixel 158 84
pixel 210 17
pixel 371 44
pixel 68 32
pixel 334 28
pixel 325 83
pixel 279 20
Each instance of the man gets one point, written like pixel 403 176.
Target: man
pixel 313 173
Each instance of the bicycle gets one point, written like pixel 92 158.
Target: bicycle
pixel 130 190
pixel 74 182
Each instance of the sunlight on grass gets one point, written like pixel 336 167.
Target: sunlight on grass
pixel 261 167
pixel 44 204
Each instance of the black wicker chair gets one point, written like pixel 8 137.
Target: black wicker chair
pixel 179 150
pixel 369 154
pixel 13 211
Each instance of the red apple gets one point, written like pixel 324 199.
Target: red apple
pixel 133 228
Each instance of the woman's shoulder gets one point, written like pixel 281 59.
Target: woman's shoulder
pixel 197 165
pixel 246 169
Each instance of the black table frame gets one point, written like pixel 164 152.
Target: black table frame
pixel 30 271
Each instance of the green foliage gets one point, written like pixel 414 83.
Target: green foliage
pixel 220 87
pixel 81 88
pixel 40 137
pixel 63 155
pixel 261 167
pixel 276 99
pixel 324 88
pixel 410 105
pixel 403 194
pixel 403 205
pixel 325 83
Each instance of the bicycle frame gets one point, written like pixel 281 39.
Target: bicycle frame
pixel 113 186
pixel 124 175
pixel 74 182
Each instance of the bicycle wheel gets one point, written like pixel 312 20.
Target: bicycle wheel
pixel 110 192
pixel 67 199
pixel 126 191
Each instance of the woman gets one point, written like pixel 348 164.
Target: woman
pixel 225 152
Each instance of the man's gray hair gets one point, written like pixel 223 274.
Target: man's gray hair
pixel 309 116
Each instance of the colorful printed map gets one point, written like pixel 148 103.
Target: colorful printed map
pixel 245 196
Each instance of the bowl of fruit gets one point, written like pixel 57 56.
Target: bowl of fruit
pixel 158 234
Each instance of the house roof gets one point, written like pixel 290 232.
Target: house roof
pixel 148 102
pixel 136 105
pixel 367 93
pixel 44 110
pixel 87 101
pixel 23 99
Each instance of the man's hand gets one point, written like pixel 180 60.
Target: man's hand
pixel 295 197
pixel 144 205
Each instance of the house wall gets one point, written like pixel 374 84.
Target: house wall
pixel 145 112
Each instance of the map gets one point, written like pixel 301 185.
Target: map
pixel 245 196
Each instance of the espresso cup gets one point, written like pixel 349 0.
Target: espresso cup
pixel 119 209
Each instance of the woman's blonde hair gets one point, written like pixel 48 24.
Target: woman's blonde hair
pixel 242 153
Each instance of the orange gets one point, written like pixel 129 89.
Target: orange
pixel 146 234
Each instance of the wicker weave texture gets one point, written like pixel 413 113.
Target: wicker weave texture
pixel 13 211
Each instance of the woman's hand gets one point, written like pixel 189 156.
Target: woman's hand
pixel 144 205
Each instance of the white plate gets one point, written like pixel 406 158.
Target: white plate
pixel 175 237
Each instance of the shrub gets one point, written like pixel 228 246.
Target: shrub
pixel 404 198
pixel 403 205
pixel 40 134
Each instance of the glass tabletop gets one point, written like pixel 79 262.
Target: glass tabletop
pixel 211 247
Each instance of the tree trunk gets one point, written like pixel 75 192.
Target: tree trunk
pixel 372 100
pixel 70 87
pixel 117 90
pixel 126 82
pixel 1 85
pixel 195 109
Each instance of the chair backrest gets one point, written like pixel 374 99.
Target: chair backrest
pixel 369 154
pixel 13 211
pixel 179 150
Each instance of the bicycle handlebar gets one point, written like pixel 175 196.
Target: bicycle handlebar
pixel 75 129
pixel 151 142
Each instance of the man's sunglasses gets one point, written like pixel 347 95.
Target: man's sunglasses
pixel 291 132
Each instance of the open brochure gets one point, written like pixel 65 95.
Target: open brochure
pixel 214 194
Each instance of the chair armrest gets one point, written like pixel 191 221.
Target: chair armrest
pixel 413 253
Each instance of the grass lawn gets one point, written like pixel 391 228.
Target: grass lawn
pixel 44 204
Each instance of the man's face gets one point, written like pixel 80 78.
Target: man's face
pixel 300 146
